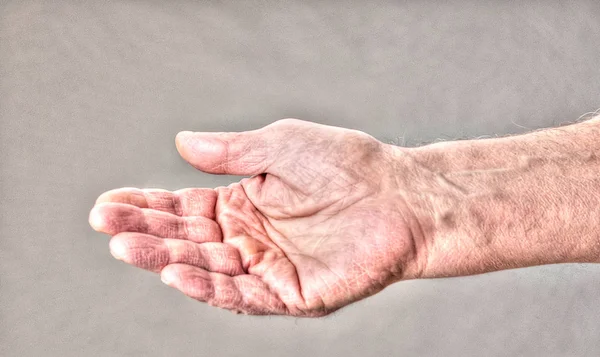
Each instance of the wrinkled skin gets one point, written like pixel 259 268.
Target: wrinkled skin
pixel 319 223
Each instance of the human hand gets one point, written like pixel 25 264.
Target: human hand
pixel 318 225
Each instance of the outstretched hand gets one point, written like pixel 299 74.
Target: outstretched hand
pixel 318 225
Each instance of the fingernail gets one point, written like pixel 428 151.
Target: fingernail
pixel 168 277
pixel 183 134
pixel 199 143
pixel 182 138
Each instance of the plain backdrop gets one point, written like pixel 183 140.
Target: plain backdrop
pixel 92 94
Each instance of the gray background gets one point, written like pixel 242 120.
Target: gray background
pixel 92 94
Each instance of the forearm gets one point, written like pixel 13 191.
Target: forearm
pixel 485 205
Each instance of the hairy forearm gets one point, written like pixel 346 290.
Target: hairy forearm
pixel 486 205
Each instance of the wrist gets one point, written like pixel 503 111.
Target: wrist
pixel 435 207
pixel 446 236
pixel 486 205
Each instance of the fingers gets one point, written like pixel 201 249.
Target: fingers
pixel 241 293
pixel 185 202
pixel 152 253
pixel 113 218
pixel 244 153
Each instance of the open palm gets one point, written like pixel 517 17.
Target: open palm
pixel 319 224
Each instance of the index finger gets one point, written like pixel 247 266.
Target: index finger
pixel 184 202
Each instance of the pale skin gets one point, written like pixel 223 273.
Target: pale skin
pixel 329 216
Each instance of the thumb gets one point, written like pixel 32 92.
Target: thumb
pixel 242 153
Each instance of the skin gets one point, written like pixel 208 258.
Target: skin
pixel 329 216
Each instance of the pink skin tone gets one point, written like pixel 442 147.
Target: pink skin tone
pixel 330 216
pixel 319 224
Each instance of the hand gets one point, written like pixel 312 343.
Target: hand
pixel 318 225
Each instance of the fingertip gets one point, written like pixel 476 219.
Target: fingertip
pixel 118 249
pixel 184 133
pixel 104 197
pixel 182 137
pixel 169 275
pixel 130 195
pixel 96 219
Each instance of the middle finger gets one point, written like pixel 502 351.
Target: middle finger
pixel 113 218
